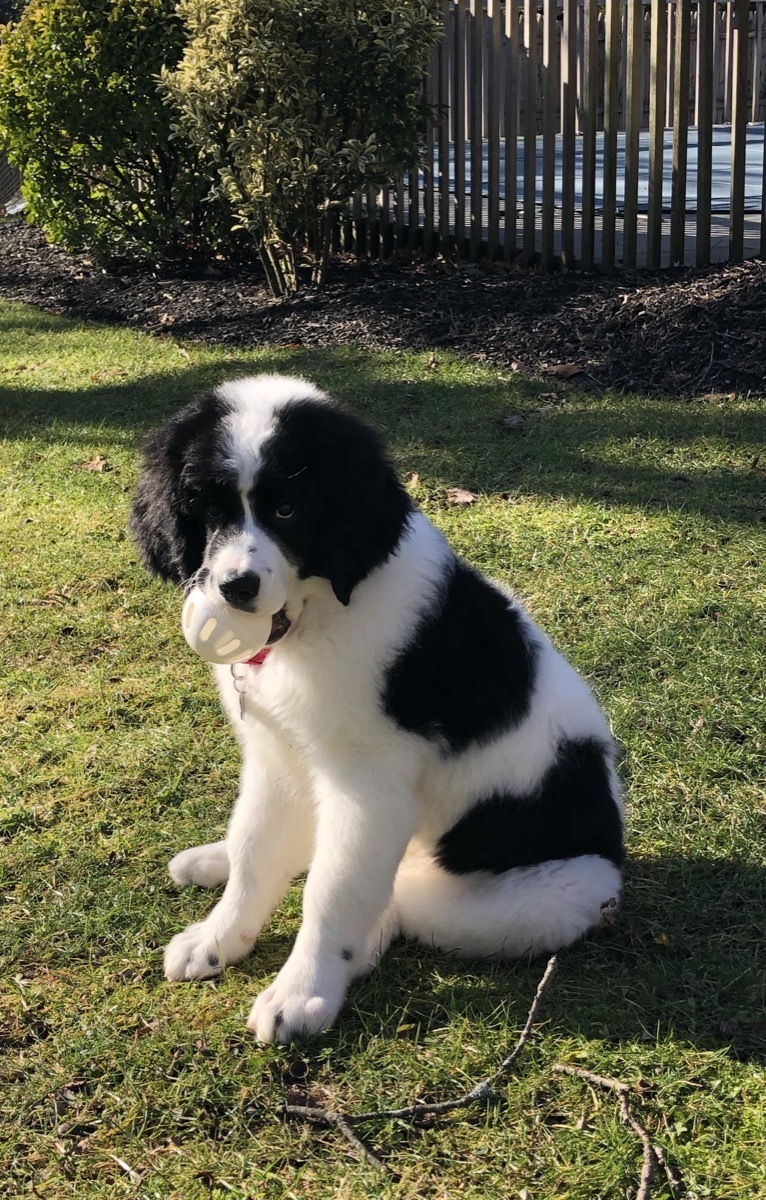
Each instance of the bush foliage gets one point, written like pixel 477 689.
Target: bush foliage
pixel 299 106
pixel 82 116
pixel 10 10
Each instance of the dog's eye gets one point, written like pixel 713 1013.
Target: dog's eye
pixel 214 513
pixel 285 509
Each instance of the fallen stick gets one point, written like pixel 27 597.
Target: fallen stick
pixel 483 1092
pixel 653 1156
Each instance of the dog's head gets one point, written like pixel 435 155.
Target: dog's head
pixel 263 482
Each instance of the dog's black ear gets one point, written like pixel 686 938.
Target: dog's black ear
pixel 343 581
pixel 170 543
pixel 169 534
pixel 364 506
pixel 351 507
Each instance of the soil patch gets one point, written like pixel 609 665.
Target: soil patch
pixel 684 332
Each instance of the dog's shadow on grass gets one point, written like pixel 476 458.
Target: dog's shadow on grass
pixel 447 432
pixel 681 961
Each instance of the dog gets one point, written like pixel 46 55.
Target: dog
pixel 409 737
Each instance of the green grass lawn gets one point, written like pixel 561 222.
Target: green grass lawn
pixel 634 529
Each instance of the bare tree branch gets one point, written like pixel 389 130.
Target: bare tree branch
pixel 336 1120
pixel 654 1156
pixel 484 1092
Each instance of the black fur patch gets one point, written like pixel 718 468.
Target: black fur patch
pixel 184 494
pixel 347 955
pixel 571 813
pixel 349 508
pixel 470 669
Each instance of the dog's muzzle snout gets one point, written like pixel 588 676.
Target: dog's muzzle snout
pixel 241 590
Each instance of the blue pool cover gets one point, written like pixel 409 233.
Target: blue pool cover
pixel 721 182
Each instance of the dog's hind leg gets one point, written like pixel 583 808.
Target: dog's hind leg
pixel 524 911
pixel 205 866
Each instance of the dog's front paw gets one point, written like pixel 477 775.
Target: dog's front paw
pixel 205 866
pixel 194 954
pixel 296 1004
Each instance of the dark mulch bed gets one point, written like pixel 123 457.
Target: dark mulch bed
pixel 682 332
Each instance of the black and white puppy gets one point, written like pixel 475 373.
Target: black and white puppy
pixel 411 738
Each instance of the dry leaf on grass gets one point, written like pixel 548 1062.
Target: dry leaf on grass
pixel 413 479
pixel 562 370
pixel 112 373
pixel 98 464
pixel 461 497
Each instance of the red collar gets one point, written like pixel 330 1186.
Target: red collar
pixel 258 659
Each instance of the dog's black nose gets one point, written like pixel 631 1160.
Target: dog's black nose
pixel 241 590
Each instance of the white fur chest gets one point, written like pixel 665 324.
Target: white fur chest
pixel 320 688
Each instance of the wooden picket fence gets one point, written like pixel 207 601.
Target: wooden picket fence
pixel 559 121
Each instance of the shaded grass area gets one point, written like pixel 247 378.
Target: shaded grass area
pixel 634 529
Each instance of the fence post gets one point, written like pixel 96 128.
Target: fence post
pixel 680 132
pixel 444 121
pixel 632 130
pixel 568 132
pixel 757 61
pixel 738 129
pixel 657 77
pixel 511 125
pixel 530 131
pixel 611 116
pixel 475 125
pixel 459 68
pixel 493 128
pixel 589 111
pixel 429 166
pixel 727 61
pixel 705 104
pixel 550 90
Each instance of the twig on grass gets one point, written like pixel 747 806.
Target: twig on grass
pixel 336 1120
pixel 483 1092
pixel 675 1182
pixel 654 1156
